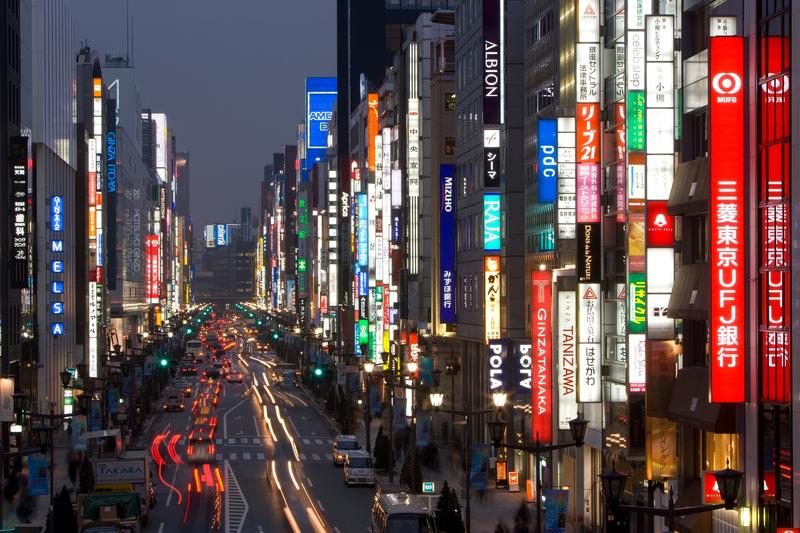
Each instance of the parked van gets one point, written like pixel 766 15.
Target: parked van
pixel 400 512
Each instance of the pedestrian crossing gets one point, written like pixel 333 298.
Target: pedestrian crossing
pixel 260 457
pixel 234 441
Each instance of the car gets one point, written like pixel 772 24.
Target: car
pixel 188 370
pixel 358 469
pixel 173 402
pixel 235 377
pixel 342 445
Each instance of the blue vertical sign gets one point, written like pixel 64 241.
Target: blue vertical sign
pixel 447 245
pixel 363 231
pixel 221 234
pixel 320 101
pixel 547 161
pixel 491 221
pixel 56 213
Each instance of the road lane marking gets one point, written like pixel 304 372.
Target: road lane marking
pixel 260 456
pixel 255 423
pixel 337 530
pixel 236 506
pixel 314 457
pixel 317 441
pixel 232 456
pixel 306 441
pixel 231 441
pixel 329 457
pixel 245 456
pixel 161 527
pixel 172 482
pixel 225 418
pixel 321 508
pixel 302 457
pixel 308 479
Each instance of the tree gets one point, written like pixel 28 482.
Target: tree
pixel 63 513
pixel 448 511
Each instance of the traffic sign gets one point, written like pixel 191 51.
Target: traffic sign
pixel 428 487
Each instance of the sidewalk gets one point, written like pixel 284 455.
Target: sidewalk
pixel 496 505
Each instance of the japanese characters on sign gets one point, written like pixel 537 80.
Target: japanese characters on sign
pixel 726 257
pixel 566 178
pixel 589 339
pixel 491 296
pixel 775 219
pixel 447 244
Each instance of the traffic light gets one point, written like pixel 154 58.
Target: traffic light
pixel 317 372
pixel 163 361
pixel 189 331
pixel 275 335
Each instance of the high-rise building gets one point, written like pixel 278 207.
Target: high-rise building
pixel 54 155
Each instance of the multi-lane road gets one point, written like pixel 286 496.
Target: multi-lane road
pixel 273 469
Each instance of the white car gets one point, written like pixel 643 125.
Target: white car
pixel 358 469
pixel 342 445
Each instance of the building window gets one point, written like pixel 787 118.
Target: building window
pixel 449 146
pixel 450 101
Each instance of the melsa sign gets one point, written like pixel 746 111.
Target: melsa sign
pixel 726 261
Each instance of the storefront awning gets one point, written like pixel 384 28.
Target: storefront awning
pixel 689 298
pixel 690 405
pixel 689 194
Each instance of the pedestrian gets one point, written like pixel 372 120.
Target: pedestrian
pixel 522 519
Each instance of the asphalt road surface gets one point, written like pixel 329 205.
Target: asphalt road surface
pixel 273 469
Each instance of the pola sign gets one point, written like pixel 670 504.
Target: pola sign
pixel 497 353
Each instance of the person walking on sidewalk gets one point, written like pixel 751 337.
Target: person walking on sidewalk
pixel 522 519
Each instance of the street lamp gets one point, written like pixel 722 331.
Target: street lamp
pixel 613 483
pixel 499 400
pixel 369 366
pixel 577 428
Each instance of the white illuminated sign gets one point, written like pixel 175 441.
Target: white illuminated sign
pixel 637 367
pixel 635 67
pixel 587 58
pixel 589 339
pixel 92 302
pixel 565 216
pixel 566 363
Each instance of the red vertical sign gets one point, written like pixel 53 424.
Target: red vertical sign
pixel 151 269
pixel 775 216
pixel 726 262
pixel 542 342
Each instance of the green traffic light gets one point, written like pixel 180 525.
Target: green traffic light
pixel 318 372
pixel 163 362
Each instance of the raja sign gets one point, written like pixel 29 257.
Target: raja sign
pixel 726 258
pixel 542 342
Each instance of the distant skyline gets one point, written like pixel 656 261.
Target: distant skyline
pixel 229 77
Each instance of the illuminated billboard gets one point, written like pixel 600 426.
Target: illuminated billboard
pixel 162 146
pixel 151 269
pixel 726 258
pixel 589 338
pixel 567 364
pixel 491 296
pixel 492 222
pixel 499 372
pixel 320 102
pixel 542 342
pixel 493 61
pixel 220 235
pixel 447 244
pixel 18 201
pixel 547 160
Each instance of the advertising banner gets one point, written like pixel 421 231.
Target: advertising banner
pixel 662 452
pixel 542 342
pixel 589 336
pixel 547 162
pixel 491 297
pixel 447 245
pixel 479 466
pixel 588 251
pixel 79 429
pixel 6 399
pixel 18 201
pixel 775 219
pixel 492 222
pixel 567 367
pixel 151 268
pixel 320 101
pixel 499 371
pixel 363 230
pixel 555 510
pixel 491 158
pixel 523 369
pixel 493 83
pixel 726 256
pixel 38 474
